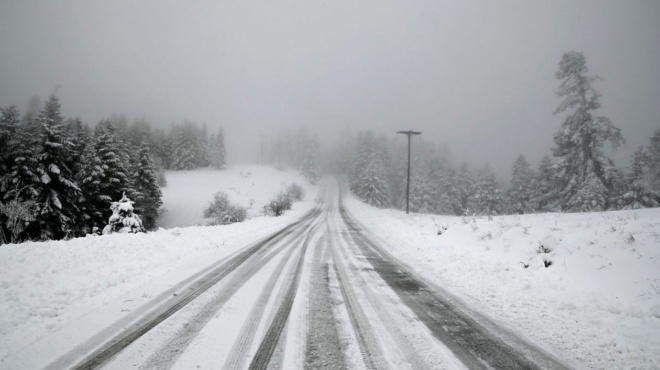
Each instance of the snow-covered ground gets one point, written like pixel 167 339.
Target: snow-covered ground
pixel 188 193
pixel 597 304
pixel 46 286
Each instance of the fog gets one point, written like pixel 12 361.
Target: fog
pixel 478 76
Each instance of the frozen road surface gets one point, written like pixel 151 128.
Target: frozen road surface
pixel 320 293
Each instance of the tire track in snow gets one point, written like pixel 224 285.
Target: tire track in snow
pixel 323 346
pixel 268 344
pixel 470 341
pixel 105 345
pixel 239 352
pixel 369 346
pixel 166 356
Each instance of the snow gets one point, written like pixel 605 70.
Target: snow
pixel 596 305
pixel 47 286
pixel 248 186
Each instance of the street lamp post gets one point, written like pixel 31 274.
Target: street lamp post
pixel 409 133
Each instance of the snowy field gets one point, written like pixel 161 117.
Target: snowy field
pixel 597 304
pixel 188 193
pixel 47 286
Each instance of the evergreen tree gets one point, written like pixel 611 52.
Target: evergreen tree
pixel 116 181
pixel 57 193
pixel 187 149
pixel 217 152
pixel 9 126
pixel 367 178
pixel 543 185
pixel 465 184
pixel 488 196
pixel 148 199
pixel 584 173
pixel 79 136
pixel 310 161
pixel 93 202
pixel 162 148
pixel 521 190
pixel 639 192
pixel 653 173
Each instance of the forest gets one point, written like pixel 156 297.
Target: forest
pixel 59 176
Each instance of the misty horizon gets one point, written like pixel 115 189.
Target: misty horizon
pixel 476 77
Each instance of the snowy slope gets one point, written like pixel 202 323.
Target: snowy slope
pixel 47 286
pixel 597 304
pixel 188 193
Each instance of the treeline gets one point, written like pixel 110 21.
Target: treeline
pixel 58 176
pixel 299 149
pixel 576 177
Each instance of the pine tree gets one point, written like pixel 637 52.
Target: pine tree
pixel 544 183
pixel 108 149
pixel 521 190
pixel 57 192
pixel 217 152
pixel 584 173
pixel 488 196
pixel 79 137
pixel 9 140
pixel 148 199
pixel 310 161
pixel 93 202
pixel 187 150
pixel 639 190
pixel 367 178
pixel 465 184
pixel 653 173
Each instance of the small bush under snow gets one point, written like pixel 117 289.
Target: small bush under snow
pixel 223 211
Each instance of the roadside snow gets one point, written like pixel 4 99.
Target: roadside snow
pixel 596 304
pixel 46 286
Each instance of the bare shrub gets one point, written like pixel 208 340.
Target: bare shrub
pixel 223 211
pixel 18 215
pixel 295 192
pixel 282 202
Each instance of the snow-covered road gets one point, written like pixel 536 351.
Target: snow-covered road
pixel 320 293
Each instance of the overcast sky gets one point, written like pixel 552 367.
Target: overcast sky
pixel 477 75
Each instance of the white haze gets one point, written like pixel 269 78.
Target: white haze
pixel 477 75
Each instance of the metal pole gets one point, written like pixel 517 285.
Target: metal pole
pixel 409 133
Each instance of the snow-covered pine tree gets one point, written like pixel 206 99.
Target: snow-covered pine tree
pixel 108 149
pixel 544 183
pixel 217 152
pixel 148 193
pixel 187 150
pixel 79 137
pixel 584 174
pixel 521 190
pixel 465 184
pixel 123 220
pixel 488 195
pixel 162 147
pixel 638 192
pixel 653 175
pixel 367 178
pixel 93 202
pixel 9 125
pixel 58 194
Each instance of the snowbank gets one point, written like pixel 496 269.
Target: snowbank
pixel 596 303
